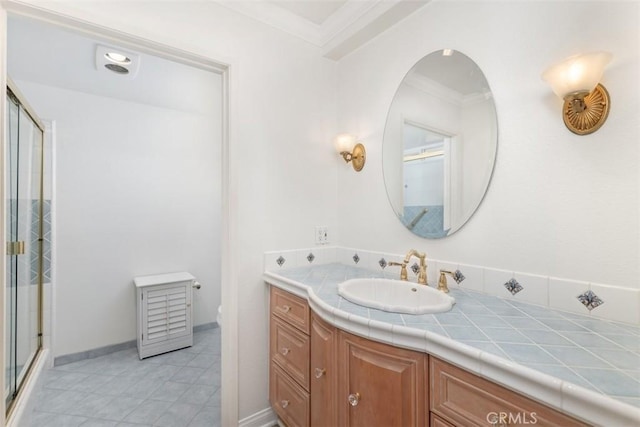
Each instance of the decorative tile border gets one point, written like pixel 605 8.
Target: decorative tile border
pixel 590 300
pixel 622 304
pixel 458 276
pixel 513 286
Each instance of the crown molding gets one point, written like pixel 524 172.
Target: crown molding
pixel 348 28
pixel 439 91
pixel 433 88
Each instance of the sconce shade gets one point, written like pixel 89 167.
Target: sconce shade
pixel 577 75
pixel 344 142
pixel 577 81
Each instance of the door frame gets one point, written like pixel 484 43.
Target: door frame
pixel 229 270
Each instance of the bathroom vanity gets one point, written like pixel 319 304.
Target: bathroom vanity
pixel 330 367
pixel 323 376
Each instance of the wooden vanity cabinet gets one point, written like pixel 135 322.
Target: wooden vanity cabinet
pixel 380 385
pixel 321 376
pixel 324 373
pixel 436 421
pixel 460 398
pixel 289 351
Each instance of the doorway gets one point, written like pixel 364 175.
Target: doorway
pixel 222 176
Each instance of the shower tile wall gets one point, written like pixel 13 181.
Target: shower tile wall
pixel 432 222
pixel 46 247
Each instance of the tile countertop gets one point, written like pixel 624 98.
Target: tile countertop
pixel 585 367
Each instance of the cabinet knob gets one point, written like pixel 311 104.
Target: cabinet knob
pixel 285 351
pixel 284 404
pixel 286 308
pixel 320 372
pixel 354 399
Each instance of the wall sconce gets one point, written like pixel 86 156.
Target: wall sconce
pixel 586 101
pixel 351 150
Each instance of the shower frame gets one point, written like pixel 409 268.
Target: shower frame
pixel 15 96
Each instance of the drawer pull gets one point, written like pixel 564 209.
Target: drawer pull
pixel 284 404
pixel 285 351
pixel 286 308
pixel 320 372
pixel 354 399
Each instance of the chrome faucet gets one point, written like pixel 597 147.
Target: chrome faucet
pixel 422 272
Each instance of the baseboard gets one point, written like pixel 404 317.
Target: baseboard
pixel 90 354
pixel 205 327
pixel 264 418
pixel 108 349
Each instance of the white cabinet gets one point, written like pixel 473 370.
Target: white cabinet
pixel 164 313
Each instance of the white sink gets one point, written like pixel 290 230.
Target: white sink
pixel 396 296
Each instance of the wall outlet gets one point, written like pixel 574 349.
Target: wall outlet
pixel 322 235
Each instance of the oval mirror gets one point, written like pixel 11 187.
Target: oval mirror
pixel 440 144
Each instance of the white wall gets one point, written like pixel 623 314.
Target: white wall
pixel 138 193
pixel 283 165
pixel 558 204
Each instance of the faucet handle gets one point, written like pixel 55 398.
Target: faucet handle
pixel 442 283
pixel 403 269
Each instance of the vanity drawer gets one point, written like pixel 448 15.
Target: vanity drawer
pixel 436 421
pixel 464 399
pixel 289 348
pixel 288 399
pixel 291 308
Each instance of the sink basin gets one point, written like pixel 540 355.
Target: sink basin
pixel 395 296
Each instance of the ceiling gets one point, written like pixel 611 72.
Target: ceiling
pixel 42 53
pixel 337 26
pixel 51 55
pixel 315 11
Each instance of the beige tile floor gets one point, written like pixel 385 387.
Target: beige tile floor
pixel 176 389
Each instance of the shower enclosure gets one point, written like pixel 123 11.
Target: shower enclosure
pixel 24 155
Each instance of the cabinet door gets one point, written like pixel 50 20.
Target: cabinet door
pixel 380 385
pixel 465 399
pixel 166 312
pixel 324 374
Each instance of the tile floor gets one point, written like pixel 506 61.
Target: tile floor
pixel 176 389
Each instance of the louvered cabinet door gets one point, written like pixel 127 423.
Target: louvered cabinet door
pixel 165 318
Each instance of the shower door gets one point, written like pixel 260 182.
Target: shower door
pixel 23 203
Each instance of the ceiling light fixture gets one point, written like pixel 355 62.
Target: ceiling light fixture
pixel 117 61
pixel 118 58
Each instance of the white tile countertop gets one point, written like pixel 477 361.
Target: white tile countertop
pixel 585 367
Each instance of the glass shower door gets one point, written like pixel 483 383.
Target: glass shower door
pixel 23 235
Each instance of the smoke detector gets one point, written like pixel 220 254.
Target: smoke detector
pixel 116 61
